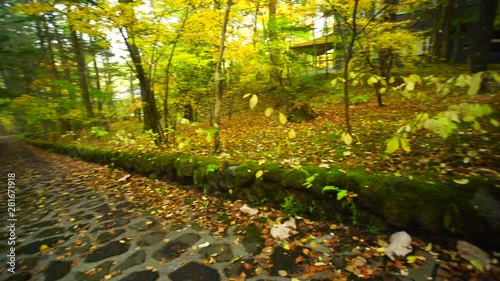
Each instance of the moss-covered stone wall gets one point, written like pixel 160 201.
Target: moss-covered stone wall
pixel 470 210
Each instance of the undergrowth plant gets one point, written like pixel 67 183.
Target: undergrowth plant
pixel 446 122
pixel 347 198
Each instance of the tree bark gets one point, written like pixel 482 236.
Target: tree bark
pixel 151 115
pixel 218 79
pixel 82 73
pixel 483 31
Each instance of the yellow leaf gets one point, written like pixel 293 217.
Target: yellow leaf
pixel 475 83
pixel 259 174
pixel 282 273
pixel 286 246
pixel 43 248
pixel 405 145
pixel 372 80
pixel 411 259
pixel 346 137
pixel 382 90
pixel 428 248
pixel 392 80
pixel 410 86
pixel 392 145
pixel 292 134
pixel 253 101
pixel 268 111
pixel 282 119
pixel 334 82
pixel 461 181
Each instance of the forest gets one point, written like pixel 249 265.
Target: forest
pixel 376 113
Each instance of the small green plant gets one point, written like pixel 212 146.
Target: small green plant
pixel 211 168
pixel 290 206
pixel 347 198
pixel 209 133
pixel 310 180
pixel 149 137
pixel 183 142
pixel 98 132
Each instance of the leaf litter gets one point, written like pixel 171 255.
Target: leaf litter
pixel 327 251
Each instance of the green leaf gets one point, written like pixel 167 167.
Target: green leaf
pixel 341 194
pixel 477 264
pixel 411 259
pixel 372 80
pixel 330 188
pixel 496 76
pixel 392 145
pixel 475 84
pixel 282 119
pixel 494 122
pixel 253 101
pixel 268 111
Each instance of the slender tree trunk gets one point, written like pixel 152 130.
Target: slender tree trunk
pixel 218 79
pixel 481 43
pixel 82 73
pixel 456 42
pixel 445 36
pixel 167 73
pixel 97 82
pixel 348 57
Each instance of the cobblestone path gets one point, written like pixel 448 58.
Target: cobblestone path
pixel 68 226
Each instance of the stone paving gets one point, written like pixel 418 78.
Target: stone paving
pixel 65 230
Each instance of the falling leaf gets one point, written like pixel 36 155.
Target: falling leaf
pixel 461 181
pixel 282 119
pixel 253 101
pixel 259 174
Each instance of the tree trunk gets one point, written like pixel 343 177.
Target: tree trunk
pixel 445 36
pixel 348 56
pixel 167 73
pixel 151 114
pixel 218 79
pixel 82 73
pixel 483 31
